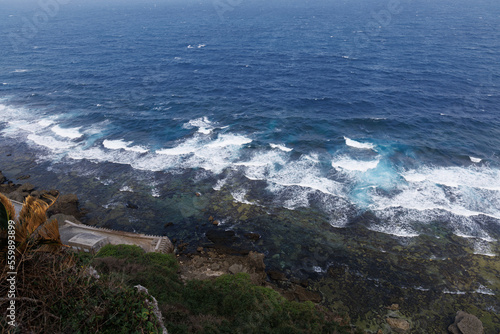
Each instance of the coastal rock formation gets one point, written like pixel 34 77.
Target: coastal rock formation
pixel 67 204
pixel 17 196
pixel 16 192
pixel 154 303
pixel 276 275
pixel 398 325
pixel 466 323
pixel 212 264
pixel 301 294
pixel 27 188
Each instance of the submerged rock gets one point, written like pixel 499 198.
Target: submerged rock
pixel 252 236
pixel 221 237
pixel 466 323
pixel 132 205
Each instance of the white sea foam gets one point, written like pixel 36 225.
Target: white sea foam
pixel 394 227
pixel 348 164
pixel 458 292
pixel 291 182
pixel 72 133
pixel 199 151
pixel 51 142
pixel 13 115
pixel 203 124
pixel 472 177
pixel 229 140
pixel 471 191
pixel 187 147
pixel 110 205
pixel 126 189
pixel 16 125
pixel 475 160
pixel 456 196
pixel 484 290
pixel 484 252
pixel 115 144
pixel 155 192
pixel 318 269
pixel 220 183
pixel 356 144
pixel 107 182
pixel 97 129
pixel 484 238
pixel 261 164
pixel 251 164
pixel 209 154
pixel 433 198
pixel 305 173
pixel 20 71
pixel 45 122
pixel 412 198
pixel 239 196
pixel 281 147
pixel 289 197
pixel 121 144
pixel 482 247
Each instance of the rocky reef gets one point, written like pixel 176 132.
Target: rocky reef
pixel 353 270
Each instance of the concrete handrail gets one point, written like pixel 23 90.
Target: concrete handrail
pixel 105 230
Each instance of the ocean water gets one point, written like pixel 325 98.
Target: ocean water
pixel 386 108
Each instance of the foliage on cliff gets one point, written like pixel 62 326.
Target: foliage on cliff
pixel 53 292
pixel 228 304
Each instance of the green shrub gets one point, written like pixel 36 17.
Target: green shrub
pixel 164 260
pixel 129 252
pixel 64 299
pixel 106 310
pixel 228 304
pixel 156 271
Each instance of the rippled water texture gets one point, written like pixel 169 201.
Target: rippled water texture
pixel 357 128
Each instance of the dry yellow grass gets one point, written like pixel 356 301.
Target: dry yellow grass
pixel 9 207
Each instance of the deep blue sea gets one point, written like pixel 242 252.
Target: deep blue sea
pixel 341 107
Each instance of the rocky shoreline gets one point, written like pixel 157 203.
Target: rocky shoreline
pixel 225 252
pixel 215 256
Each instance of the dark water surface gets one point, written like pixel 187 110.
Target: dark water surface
pixel 361 140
